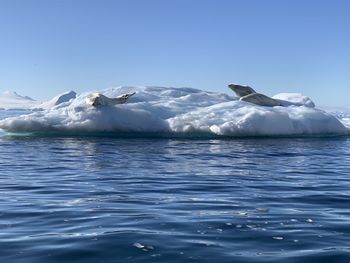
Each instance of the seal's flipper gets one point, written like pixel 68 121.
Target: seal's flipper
pixel 240 90
pixel 123 98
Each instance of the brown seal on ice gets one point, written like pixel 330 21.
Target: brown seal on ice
pixel 246 93
pixel 240 90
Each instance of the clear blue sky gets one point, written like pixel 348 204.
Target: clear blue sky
pixel 50 46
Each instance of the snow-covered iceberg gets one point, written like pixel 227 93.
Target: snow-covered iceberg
pixel 179 112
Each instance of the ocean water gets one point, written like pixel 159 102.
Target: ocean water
pixel 100 199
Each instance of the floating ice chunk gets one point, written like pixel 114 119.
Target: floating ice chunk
pixel 278 238
pixel 177 112
pixel 138 245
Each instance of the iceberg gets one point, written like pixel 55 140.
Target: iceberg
pixel 179 112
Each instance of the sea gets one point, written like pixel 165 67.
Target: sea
pixel 110 199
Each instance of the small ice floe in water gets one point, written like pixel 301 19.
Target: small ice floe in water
pixel 242 213
pixel 309 220
pixel 278 238
pixel 138 245
pixel 98 99
pixel 143 247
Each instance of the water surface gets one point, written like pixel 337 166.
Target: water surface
pixel 164 200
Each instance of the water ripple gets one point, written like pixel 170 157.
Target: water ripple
pixel 144 200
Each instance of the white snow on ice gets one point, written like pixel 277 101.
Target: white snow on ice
pixel 184 112
pixel 296 99
pixel 57 100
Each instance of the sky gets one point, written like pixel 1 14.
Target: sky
pixel 51 46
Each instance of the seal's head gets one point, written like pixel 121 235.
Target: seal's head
pixel 240 90
pixel 95 99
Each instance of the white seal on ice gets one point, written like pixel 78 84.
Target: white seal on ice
pixel 98 99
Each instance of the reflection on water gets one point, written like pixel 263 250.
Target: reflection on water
pixel 83 199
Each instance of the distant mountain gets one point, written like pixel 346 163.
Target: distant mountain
pixel 12 100
pixel 61 98
pixel 13 95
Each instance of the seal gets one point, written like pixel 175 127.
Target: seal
pixel 98 99
pixel 240 90
pixel 261 100
pixel 246 93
